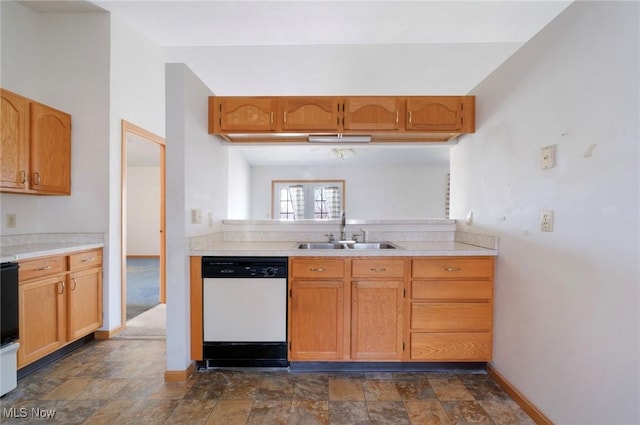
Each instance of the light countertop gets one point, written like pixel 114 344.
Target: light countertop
pixel 289 249
pixel 43 249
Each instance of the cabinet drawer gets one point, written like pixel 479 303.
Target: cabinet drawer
pixel 465 346
pixel 41 267
pixel 454 268
pixel 451 316
pixel 317 268
pixel 85 259
pixel 452 289
pixel 377 268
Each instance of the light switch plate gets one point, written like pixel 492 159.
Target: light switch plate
pixel 546 220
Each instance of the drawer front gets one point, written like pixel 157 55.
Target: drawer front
pixel 456 346
pixel 451 316
pixel 452 290
pixel 317 268
pixel 454 267
pixel 41 267
pixel 377 268
pixel 85 259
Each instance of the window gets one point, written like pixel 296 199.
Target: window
pixel 307 199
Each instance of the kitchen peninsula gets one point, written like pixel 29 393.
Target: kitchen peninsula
pixel 428 297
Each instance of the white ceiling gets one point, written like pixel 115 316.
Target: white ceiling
pixel 332 48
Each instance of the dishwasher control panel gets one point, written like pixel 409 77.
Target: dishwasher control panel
pixel 243 267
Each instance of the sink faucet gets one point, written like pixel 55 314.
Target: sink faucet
pixel 343 228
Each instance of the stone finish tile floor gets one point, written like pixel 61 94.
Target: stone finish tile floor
pixel 122 382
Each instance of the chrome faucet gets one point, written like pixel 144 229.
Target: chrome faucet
pixel 343 228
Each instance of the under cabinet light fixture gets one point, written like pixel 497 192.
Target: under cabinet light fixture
pixel 339 138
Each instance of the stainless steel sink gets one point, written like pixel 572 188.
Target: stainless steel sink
pixel 352 245
pixel 321 245
pixel 372 245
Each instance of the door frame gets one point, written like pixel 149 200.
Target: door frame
pixel 130 128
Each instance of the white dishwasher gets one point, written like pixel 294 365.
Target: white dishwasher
pixel 244 311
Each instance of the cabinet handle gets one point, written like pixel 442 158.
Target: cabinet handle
pixel 61 287
pixel 378 269
pixel 397 116
pixel 41 269
pixel 86 260
pixel 37 178
pixel 75 283
pixel 272 118
pixel 452 269
pixel 409 117
pixel 285 116
pixel 23 177
pixel 317 269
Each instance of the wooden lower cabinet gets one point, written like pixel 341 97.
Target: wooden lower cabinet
pixel 451 309
pixel 418 309
pixel 376 320
pixel 346 309
pixel 42 318
pixel 60 300
pixel 317 320
pixel 84 297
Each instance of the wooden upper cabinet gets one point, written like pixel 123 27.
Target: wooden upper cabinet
pixel 311 113
pixel 50 150
pixel 14 151
pixel 372 113
pixel 245 113
pixel 440 113
pixel 36 147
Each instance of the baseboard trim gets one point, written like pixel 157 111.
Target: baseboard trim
pixel 531 410
pixel 180 375
pixel 103 335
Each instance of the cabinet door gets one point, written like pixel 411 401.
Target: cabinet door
pixel 435 113
pixel 310 113
pixel 14 151
pixel 41 322
pixel 50 150
pixel 317 320
pixel 376 320
pixel 372 113
pixel 246 113
pixel 84 302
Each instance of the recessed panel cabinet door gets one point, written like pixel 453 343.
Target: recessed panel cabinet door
pixel 376 320
pixel 247 114
pixel 14 151
pixel 316 320
pixel 42 318
pixel 50 150
pixel 372 113
pixel 85 302
pixel 310 113
pixel 435 113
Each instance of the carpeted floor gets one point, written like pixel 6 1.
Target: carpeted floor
pixel 152 324
pixel 143 285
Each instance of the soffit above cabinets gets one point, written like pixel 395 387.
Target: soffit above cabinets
pixel 341 119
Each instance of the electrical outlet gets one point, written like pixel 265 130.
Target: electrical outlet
pixel 11 220
pixel 548 157
pixel 546 221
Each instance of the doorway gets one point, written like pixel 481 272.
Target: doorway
pixel 143 232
